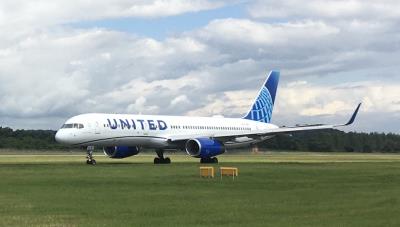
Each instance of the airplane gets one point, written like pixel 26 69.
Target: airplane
pixel 125 135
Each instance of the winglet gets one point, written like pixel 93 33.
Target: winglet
pixel 353 117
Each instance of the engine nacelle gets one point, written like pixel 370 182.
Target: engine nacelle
pixel 204 148
pixel 121 151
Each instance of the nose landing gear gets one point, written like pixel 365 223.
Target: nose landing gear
pixel 89 156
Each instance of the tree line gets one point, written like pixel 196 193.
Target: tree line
pixel 321 141
pixel 29 140
pixel 335 141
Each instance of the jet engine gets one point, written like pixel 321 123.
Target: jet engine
pixel 204 147
pixel 120 151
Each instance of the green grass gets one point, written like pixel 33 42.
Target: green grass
pixel 276 189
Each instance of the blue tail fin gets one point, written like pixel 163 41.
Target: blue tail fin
pixel 261 110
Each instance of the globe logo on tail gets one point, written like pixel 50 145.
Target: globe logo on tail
pixel 262 108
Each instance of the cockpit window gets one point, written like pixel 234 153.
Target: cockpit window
pixel 75 125
pixel 67 126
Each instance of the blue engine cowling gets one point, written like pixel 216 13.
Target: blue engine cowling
pixel 204 148
pixel 120 151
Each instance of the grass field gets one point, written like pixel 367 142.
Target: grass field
pixel 273 189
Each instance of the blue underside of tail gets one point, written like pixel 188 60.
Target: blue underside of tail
pixel 263 106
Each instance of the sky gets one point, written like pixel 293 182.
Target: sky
pixel 200 58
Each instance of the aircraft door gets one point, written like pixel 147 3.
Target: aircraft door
pixel 97 128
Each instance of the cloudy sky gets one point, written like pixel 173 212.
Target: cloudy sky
pixel 199 58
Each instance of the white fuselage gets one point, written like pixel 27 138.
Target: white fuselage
pixel 154 131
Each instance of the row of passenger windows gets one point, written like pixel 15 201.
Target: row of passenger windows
pixel 209 127
pixel 72 126
pixel 197 127
pixel 79 126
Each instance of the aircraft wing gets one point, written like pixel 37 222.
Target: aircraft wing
pixel 270 132
pixel 286 130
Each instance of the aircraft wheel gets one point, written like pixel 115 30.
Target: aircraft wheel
pixel 91 162
pixel 162 160
pixel 209 160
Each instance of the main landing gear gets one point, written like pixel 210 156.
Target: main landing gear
pixel 89 156
pixel 209 160
pixel 160 159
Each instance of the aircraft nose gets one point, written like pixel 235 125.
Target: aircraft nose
pixel 60 137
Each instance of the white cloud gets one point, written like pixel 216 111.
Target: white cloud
pixel 313 100
pixel 328 62
pixel 167 8
pixel 181 99
pixel 296 83
pixel 46 12
pixel 256 33
pixel 230 104
pixel 339 9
